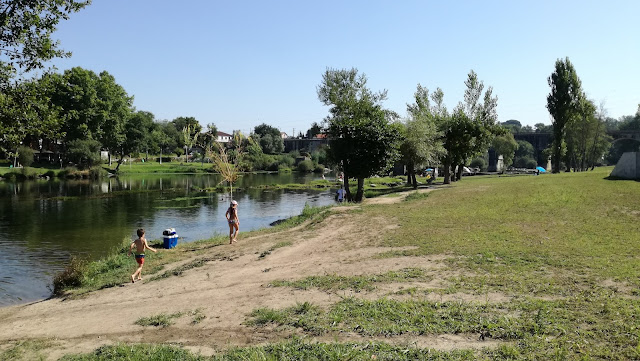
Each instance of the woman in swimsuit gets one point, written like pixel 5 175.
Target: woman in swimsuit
pixel 234 222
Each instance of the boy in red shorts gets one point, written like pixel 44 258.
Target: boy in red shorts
pixel 140 244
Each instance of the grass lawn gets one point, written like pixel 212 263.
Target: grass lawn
pixel 562 250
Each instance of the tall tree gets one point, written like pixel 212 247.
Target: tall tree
pixel 26 115
pixel 361 137
pixel 469 130
pixel 26 28
pixel 269 139
pixel 314 130
pixel 421 142
pixel 562 103
pixel 114 108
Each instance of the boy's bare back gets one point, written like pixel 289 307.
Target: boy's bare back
pixel 141 244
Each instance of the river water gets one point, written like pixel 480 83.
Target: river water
pixel 44 223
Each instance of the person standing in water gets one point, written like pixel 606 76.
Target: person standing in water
pixel 141 245
pixel 234 222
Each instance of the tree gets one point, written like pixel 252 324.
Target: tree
pixel 421 142
pixel 562 103
pixel 269 139
pixel 314 130
pixel 84 152
pixel 161 140
pixel 361 138
pixel 512 125
pixel 25 34
pixel 506 146
pixel 466 132
pixel 26 115
pixel 191 122
pixel 189 139
pixel 543 128
pixel 25 156
pixel 227 163
pixel 113 109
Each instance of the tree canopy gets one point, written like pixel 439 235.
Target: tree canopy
pixel 361 137
pixel 26 29
pixel 269 139
pixel 562 103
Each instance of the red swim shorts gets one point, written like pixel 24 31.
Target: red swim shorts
pixel 140 259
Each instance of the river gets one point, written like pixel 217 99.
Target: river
pixel 44 223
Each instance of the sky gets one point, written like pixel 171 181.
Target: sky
pixel 238 64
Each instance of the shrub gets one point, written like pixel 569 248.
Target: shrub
pixel 29 173
pixel 49 174
pixel 525 162
pixel 71 276
pixel 97 173
pixel 25 156
pixel 273 167
pixel 319 168
pixel 85 152
pixel 13 176
pixel 305 166
pixel 479 163
pixel 286 160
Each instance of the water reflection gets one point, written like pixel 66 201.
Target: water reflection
pixel 42 223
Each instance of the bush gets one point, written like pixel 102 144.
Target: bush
pixel 25 156
pixel 273 167
pixel 319 168
pixel 73 172
pixel 29 173
pixel 286 160
pixel 479 163
pixel 14 176
pixel 525 162
pixel 85 152
pixel 305 166
pixel 71 276
pixel 97 173
pixel 49 174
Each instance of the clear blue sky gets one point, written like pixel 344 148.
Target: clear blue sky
pixel 241 63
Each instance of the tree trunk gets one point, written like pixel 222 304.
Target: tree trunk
pixel 345 182
pixel 161 156
pixel 459 172
pixel 414 181
pixel 557 153
pixel 119 162
pixel 360 191
pixel 447 172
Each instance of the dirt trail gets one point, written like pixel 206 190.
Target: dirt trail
pixel 225 291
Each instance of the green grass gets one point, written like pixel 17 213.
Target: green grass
pixel 416 196
pixel 160 320
pixel 27 350
pixel 607 329
pixel 355 283
pixel 562 250
pixel 165 167
pixel 116 268
pixel 563 247
pixel 291 350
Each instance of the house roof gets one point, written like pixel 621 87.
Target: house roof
pixel 223 134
